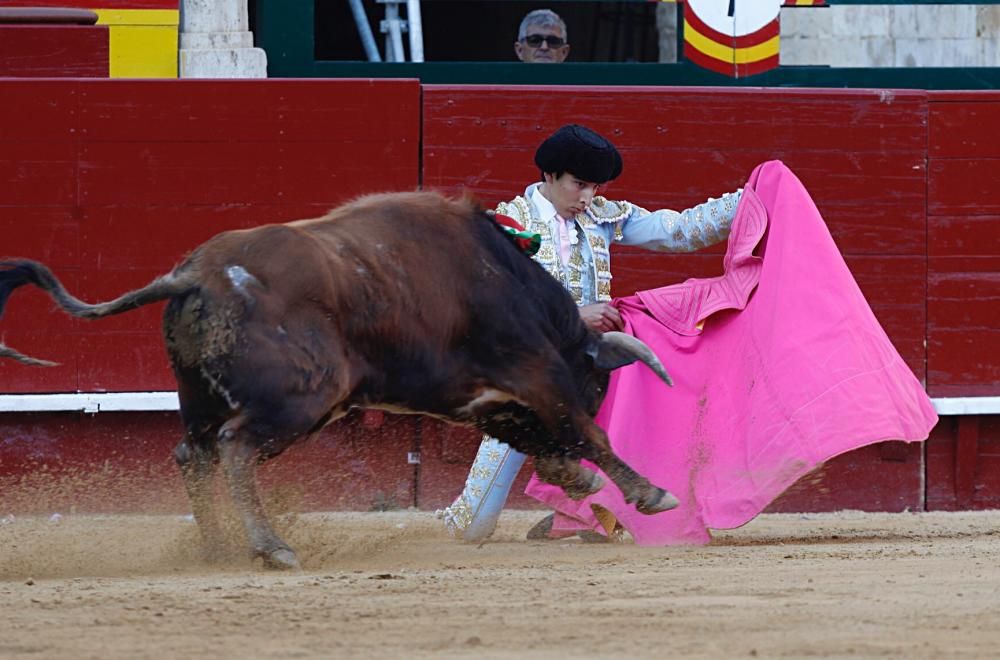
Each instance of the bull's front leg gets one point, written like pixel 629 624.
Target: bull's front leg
pixel 576 481
pixel 648 499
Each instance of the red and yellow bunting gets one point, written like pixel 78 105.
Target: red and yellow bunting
pixel 731 55
pixel 736 38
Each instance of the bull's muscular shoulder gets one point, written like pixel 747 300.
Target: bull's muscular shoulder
pixel 604 210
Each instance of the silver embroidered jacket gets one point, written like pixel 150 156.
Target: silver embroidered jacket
pixel 588 274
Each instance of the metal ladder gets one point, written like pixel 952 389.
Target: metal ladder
pixel 393 27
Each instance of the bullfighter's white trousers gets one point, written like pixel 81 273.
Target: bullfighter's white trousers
pixel 473 516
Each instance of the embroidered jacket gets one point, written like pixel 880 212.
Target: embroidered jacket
pixel 587 275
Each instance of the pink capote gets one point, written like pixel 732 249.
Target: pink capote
pixel 790 369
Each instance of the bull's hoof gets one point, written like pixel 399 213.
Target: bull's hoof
pixel 662 501
pixel 281 559
pixel 588 483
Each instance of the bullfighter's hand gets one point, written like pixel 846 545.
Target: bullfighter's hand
pixel 601 317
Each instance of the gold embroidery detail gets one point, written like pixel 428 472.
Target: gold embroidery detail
pixel 604 291
pixel 604 210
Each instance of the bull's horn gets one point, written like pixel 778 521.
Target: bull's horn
pixel 643 353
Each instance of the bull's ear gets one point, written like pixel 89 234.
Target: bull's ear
pixel 608 356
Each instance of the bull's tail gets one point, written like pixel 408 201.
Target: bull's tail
pixel 8 352
pixel 17 272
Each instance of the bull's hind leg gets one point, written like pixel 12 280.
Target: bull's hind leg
pixel 197 460
pixel 238 455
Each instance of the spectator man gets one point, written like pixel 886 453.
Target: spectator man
pixel 542 37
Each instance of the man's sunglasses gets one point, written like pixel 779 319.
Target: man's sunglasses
pixel 536 40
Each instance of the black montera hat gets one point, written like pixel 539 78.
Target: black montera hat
pixel 581 152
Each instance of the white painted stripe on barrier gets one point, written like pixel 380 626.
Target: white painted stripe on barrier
pixel 89 402
pixel 94 402
pixel 967 405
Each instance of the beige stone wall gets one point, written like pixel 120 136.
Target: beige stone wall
pixel 881 36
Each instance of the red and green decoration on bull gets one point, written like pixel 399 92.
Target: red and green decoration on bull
pixel 737 38
pixel 527 241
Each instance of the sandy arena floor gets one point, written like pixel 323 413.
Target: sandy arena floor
pixel 393 585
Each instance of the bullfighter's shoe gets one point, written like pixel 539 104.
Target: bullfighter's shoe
pixel 613 530
pixel 473 515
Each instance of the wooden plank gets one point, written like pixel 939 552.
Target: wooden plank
pixel 124 361
pixel 60 346
pixel 167 173
pixel 38 51
pixel 38 111
pixel 963 363
pixel 956 464
pixel 38 173
pixel 264 111
pixel 123 463
pixel 966 451
pixel 955 127
pixel 44 233
pixel 962 236
pixel 963 186
pixel 963 326
pixel 679 118
pixel 158 237
pixel 866 479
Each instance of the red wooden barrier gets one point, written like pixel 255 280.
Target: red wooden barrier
pixel 123 462
pixel 963 207
pixel 37 51
pixel 112 182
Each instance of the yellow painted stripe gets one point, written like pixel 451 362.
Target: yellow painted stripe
pixel 143 51
pixel 722 53
pixel 138 16
pixel 142 43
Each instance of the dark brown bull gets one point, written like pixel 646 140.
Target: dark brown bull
pixel 405 302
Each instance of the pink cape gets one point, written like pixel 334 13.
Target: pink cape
pixel 790 369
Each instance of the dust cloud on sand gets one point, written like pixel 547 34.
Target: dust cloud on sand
pixel 394 585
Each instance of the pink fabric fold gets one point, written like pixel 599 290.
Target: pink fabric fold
pixel 788 369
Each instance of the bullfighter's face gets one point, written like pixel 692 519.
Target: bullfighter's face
pixel 569 194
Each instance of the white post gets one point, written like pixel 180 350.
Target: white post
pixel 216 42
pixel 416 30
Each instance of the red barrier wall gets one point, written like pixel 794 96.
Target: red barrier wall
pixel 112 182
pixel 34 51
pixel 963 277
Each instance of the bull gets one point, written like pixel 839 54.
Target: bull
pixel 406 302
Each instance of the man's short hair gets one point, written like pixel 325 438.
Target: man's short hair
pixel 544 18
